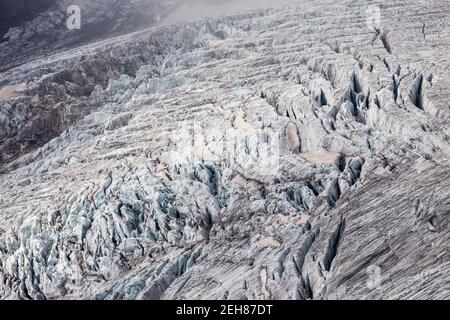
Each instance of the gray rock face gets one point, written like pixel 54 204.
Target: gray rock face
pixel 30 28
pixel 294 153
pixel 16 12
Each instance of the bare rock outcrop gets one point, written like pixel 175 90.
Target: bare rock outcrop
pixel 294 153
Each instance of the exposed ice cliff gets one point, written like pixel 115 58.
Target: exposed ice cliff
pixel 296 153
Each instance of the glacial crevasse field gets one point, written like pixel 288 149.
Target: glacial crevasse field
pixel 292 153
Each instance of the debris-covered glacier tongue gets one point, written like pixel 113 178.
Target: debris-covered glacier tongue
pixel 292 153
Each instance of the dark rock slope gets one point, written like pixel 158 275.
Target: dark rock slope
pixel 30 29
pixel 17 12
pixel 297 153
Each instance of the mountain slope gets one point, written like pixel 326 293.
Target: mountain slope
pixel 31 29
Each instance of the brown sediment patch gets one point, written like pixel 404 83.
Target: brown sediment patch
pixel 287 219
pixel 269 242
pixel 13 91
pixel 266 293
pixel 321 157
pixel 292 138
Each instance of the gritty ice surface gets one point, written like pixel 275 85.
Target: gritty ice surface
pixel 191 10
pixel 293 153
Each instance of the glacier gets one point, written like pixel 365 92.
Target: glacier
pixel 288 153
